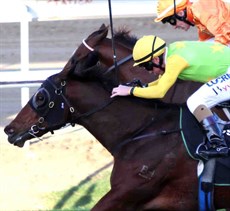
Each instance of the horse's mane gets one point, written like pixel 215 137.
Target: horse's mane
pixel 124 37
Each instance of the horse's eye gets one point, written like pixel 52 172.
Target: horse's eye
pixel 40 98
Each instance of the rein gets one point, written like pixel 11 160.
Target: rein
pixel 86 114
pixel 120 62
pixel 136 136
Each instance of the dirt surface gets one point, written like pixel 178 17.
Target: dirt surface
pixel 64 159
pixel 59 162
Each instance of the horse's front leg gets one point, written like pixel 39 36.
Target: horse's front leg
pixel 116 201
pixel 129 191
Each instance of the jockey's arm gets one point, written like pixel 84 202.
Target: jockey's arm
pixel 220 30
pixel 157 89
pixel 210 15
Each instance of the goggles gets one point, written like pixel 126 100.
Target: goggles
pixel 171 20
pixel 147 65
pixel 150 64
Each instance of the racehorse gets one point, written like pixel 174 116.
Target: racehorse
pixel 96 49
pixel 152 170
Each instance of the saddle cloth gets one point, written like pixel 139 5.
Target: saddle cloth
pixel 193 135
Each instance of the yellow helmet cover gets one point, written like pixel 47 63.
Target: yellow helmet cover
pixel 147 47
pixel 165 8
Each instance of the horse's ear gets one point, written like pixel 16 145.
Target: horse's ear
pixel 103 27
pixel 103 30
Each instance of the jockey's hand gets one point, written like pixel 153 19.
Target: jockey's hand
pixel 121 90
pixel 136 82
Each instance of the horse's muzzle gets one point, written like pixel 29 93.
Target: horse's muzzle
pixel 17 139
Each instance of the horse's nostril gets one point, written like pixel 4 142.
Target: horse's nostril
pixel 9 130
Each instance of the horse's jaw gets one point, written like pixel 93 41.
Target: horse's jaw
pixel 19 139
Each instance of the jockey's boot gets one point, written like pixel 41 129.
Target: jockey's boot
pixel 215 146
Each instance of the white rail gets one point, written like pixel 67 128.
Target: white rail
pixel 24 78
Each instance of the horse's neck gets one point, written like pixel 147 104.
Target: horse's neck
pixel 180 91
pixel 121 120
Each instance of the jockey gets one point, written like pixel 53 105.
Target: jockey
pixel 205 62
pixel 211 17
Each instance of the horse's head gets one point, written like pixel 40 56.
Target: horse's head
pixel 58 102
pixel 46 111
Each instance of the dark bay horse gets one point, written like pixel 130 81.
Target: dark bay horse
pixel 152 170
pixel 97 48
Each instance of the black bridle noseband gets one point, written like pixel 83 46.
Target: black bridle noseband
pixel 54 102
